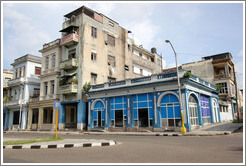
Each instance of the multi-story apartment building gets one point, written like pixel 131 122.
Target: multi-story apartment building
pixel 25 84
pixel 41 114
pixel 96 49
pixel 7 75
pixel 219 70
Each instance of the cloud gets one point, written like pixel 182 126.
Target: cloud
pixel 20 35
pixel 9 13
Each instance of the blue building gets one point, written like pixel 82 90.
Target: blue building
pixel 152 103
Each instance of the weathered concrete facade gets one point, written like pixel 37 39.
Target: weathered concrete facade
pixel 96 49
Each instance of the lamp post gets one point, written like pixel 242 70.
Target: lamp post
pixel 183 129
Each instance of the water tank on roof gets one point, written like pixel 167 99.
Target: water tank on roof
pixel 153 50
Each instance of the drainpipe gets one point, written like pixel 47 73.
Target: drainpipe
pixel 21 94
pixel 235 82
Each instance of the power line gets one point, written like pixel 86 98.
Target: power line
pixel 191 54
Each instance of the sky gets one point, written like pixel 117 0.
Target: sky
pixel 195 29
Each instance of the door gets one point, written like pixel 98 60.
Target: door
pixel 143 117
pixel 118 118
pixel 99 119
pixel 215 112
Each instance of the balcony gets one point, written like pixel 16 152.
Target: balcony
pixel 14 102
pixel 49 97
pixel 68 64
pixel 69 39
pixel 223 76
pixel 34 99
pixel 70 88
pixel 17 81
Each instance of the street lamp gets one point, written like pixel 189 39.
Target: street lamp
pixel 183 129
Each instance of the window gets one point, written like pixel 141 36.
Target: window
pixel 111 79
pixel 52 91
pixel 93 78
pixel 35 116
pixel 111 61
pixel 224 88
pixel 16 73
pixel 93 56
pixel 47 115
pixel 94 32
pixel 23 71
pixel 45 88
pixel 111 40
pixel 37 70
pixel 47 62
pixel 20 72
pixel 71 53
pixel 54 60
pixel 36 91
pixel 111 23
pixel 126 67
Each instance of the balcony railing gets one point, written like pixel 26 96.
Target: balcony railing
pixel 222 76
pixel 70 39
pixel 70 63
pixel 70 88
pixel 151 79
pixel 49 97
pixel 33 99
pixel 16 81
pixel 14 102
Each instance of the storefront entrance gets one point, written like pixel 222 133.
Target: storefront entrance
pixel 70 116
pixel 143 117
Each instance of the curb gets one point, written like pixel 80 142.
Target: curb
pixel 133 134
pixel 54 146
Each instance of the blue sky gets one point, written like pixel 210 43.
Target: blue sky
pixel 195 29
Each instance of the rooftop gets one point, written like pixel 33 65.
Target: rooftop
pixel 27 57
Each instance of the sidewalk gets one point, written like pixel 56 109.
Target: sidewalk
pixel 223 128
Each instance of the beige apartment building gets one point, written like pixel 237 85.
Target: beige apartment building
pixel 219 70
pixel 93 48
pixel 41 114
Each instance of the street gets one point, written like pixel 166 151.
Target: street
pixel 135 149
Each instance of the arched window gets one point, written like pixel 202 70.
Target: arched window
pixel 170 110
pixel 47 62
pixel 54 60
pixel 193 110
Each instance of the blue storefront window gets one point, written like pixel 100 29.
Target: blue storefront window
pixel 205 109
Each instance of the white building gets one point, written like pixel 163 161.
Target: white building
pixel 25 84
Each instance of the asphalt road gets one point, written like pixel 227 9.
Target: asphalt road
pixel 136 149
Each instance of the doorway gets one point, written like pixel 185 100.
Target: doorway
pixel 118 118
pixel 99 119
pixel 71 116
pixel 143 117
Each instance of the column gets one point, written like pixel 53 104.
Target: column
pixel 54 120
pixel 30 116
pixel 81 115
pixel 24 118
pixel 199 111
pixel 11 115
pixel 211 109
pixel 187 125
pixel 40 118
pixel 61 119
